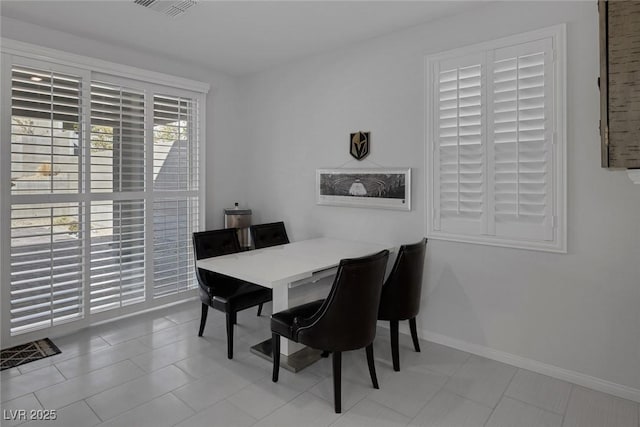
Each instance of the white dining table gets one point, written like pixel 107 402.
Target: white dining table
pixel 294 268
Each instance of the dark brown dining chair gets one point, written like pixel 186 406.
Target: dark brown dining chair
pixel 266 235
pixel 400 298
pixel 221 292
pixel 344 321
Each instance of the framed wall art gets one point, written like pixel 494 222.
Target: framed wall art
pixel 382 188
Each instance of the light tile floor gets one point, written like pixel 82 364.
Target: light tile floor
pixel 152 370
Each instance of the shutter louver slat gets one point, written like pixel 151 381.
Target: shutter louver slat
pixel 522 163
pixel 45 120
pixel 117 269
pixel 45 265
pixel 175 220
pixel 460 150
pixel 175 167
pixel 118 150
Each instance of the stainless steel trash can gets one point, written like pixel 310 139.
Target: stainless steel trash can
pixel 240 219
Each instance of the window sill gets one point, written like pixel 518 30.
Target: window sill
pixel 558 246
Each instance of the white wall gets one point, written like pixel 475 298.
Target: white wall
pixel 223 121
pixel 579 312
pixel 267 134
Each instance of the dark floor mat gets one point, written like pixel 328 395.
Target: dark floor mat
pixel 25 353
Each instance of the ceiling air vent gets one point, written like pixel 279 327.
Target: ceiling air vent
pixel 167 7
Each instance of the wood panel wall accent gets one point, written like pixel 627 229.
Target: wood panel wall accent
pixel 620 83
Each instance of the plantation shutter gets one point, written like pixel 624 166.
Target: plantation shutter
pixel 521 157
pixel 45 119
pixel 117 138
pixel 100 191
pixel 117 254
pixel 174 221
pixel 495 160
pixel 459 146
pixel 46 216
pixel 175 183
pixel 117 223
pixel 46 265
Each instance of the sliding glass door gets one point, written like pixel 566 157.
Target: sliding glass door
pixel 102 196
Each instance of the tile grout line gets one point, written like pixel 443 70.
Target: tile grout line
pixel 469 356
pixel 567 406
pixel 435 394
pixel 226 399
pixel 63 375
pixel 189 406
pixel 466 397
pixel 92 410
pixel 502 395
pixel 41 388
pixel 139 404
pixel 534 406
pixel 185 403
pixel 108 388
pixel 181 370
pixel 38 400
pixel 411 420
pixel 96 393
pixel 438 390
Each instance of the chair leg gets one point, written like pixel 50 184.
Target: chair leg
pixel 414 334
pixel 230 323
pixel 275 350
pixel 372 366
pixel 395 355
pixel 337 385
pixel 259 310
pixel 203 318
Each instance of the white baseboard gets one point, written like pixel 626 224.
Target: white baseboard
pixel 574 377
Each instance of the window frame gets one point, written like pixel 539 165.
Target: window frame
pixel 557 34
pixel 90 69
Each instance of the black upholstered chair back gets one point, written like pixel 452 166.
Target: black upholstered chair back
pixel 400 298
pixel 266 235
pixel 207 244
pixel 347 318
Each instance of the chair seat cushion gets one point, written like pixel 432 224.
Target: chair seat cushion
pixel 282 322
pixel 229 294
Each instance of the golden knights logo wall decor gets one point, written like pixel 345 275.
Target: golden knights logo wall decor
pixel 359 145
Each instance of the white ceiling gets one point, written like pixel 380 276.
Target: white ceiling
pixel 238 37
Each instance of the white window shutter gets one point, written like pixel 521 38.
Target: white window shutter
pixel 175 183
pixel 102 194
pixel 175 143
pixel 117 138
pixel 459 188
pixel 174 221
pixel 117 254
pixel 521 126
pixel 117 161
pixel 496 137
pixel 46 265
pixel 46 113
pixel 46 226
